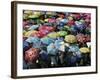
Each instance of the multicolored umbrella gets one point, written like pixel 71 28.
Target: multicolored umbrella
pixel 32 54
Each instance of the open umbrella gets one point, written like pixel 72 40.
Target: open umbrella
pixel 33 27
pixel 35 41
pixel 31 55
pixel 70 39
pixel 53 35
pixel 29 33
pixel 51 49
pixel 85 50
pixel 47 40
pixel 62 33
pixel 73 48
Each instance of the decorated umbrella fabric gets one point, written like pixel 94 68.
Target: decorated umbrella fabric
pixel 32 54
pixel 83 38
pixel 70 39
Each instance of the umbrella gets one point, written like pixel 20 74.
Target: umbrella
pixel 33 27
pixel 81 38
pixel 47 40
pixel 29 33
pixel 70 39
pixel 62 33
pixel 51 49
pixel 53 35
pixel 80 25
pixel 73 48
pixel 32 54
pixel 85 50
pixel 44 55
pixel 33 39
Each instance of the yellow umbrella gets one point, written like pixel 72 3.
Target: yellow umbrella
pixel 70 39
pixel 53 35
pixel 29 33
pixel 85 50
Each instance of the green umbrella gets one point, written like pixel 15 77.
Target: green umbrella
pixel 62 33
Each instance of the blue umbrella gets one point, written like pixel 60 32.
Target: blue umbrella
pixel 35 40
pixel 44 55
pixel 73 48
pixel 51 49
pixel 47 40
pixel 33 27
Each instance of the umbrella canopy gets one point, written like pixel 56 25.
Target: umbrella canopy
pixel 81 38
pixel 62 33
pixel 33 40
pixel 44 55
pixel 73 48
pixel 32 54
pixel 85 50
pixel 80 25
pixel 33 27
pixel 47 40
pixel 51 49
pixel 29 33
pixel 53 35
pixel 70 39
